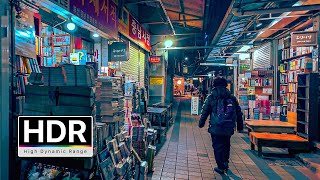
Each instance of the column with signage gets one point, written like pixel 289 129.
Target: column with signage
pixel 156 79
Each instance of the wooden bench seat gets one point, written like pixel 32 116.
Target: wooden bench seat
pixel 270 126
pixel 290 141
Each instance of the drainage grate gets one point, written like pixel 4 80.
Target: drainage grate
pixel 202 155
pixel 283 162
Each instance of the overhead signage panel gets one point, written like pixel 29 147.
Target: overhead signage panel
pixel 304 38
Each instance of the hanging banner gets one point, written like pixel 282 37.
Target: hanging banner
pixel 155 59
pixel 304 38
pixel 195 106
pixel 25 40
pixel 118 51
pixel 101 14
pixel 135 32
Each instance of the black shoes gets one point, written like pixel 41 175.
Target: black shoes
pixel 218 170
pixel 221 171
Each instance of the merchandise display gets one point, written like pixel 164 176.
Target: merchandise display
pixel 294 61
pixel 255 95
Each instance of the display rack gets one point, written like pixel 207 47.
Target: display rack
pixel 256 95
pixel 293 61
pixel 308 106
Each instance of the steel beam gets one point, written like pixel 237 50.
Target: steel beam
pixel 139 2
pixel 183 34
pixel 162 22
pixel 218 64
pixel 196 47
pixel 165 12
pixel 261 1
pixel 239 12
pixel 192 15
pixel 283 17
pixel 182 11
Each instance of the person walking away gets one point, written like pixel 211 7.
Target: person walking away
pixel 224 111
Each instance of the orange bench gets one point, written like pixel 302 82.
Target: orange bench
pixel 290 141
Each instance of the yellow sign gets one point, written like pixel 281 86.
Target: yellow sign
pixel 156 80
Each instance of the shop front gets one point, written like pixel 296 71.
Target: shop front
pixel 56 66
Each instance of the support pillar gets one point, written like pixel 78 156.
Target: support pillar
pixel 316 27
pixel 275 64
pixel 5 32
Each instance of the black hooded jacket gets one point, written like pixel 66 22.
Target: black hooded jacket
pixel 210 108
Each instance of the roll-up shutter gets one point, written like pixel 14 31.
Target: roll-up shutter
pixel 142 67
pixel 131 67
pixel 262 56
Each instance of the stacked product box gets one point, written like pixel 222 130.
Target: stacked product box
pixel 109 102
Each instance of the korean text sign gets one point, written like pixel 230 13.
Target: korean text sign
pixel 139 34
pixel 99 13
pixel 304 38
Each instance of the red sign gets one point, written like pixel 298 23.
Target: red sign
pixel 139 34
pixel 154 59
pixel 101 14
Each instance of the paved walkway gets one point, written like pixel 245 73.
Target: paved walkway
pixel 187 154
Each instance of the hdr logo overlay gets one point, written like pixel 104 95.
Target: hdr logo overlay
pixel 55 136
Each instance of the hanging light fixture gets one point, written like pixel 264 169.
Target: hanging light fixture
pixel 95 34
pixel 71 25
pixel 168 43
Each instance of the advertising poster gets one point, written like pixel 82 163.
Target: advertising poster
pixel 25 35
pixel 129 89
pixel 195 106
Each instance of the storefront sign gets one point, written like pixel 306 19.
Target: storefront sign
pixel 25 40
pixel 156 80
pixel 61 40
pixel 118 51
pixel 307 38
pixel 244 67
pixel 135 32
pixel 185 70
pixel 155 59
pixel 195 105
pixel 99 13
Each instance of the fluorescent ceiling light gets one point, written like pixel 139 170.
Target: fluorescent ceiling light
pixel 95 34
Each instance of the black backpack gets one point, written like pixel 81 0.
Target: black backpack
pixel 224 120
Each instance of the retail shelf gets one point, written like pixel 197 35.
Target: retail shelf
pixel 302 122
pixel 303 135
pixel 302 110
pixel 296 57
pixel 303 98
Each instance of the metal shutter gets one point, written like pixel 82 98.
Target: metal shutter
pixel 131 67
pixel 262 56
pixel 142 68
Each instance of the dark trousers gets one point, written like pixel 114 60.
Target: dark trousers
pixel 221 147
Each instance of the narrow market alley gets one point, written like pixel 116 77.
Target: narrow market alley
pixel 188 154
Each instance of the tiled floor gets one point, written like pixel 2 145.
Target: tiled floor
pixel 187 154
